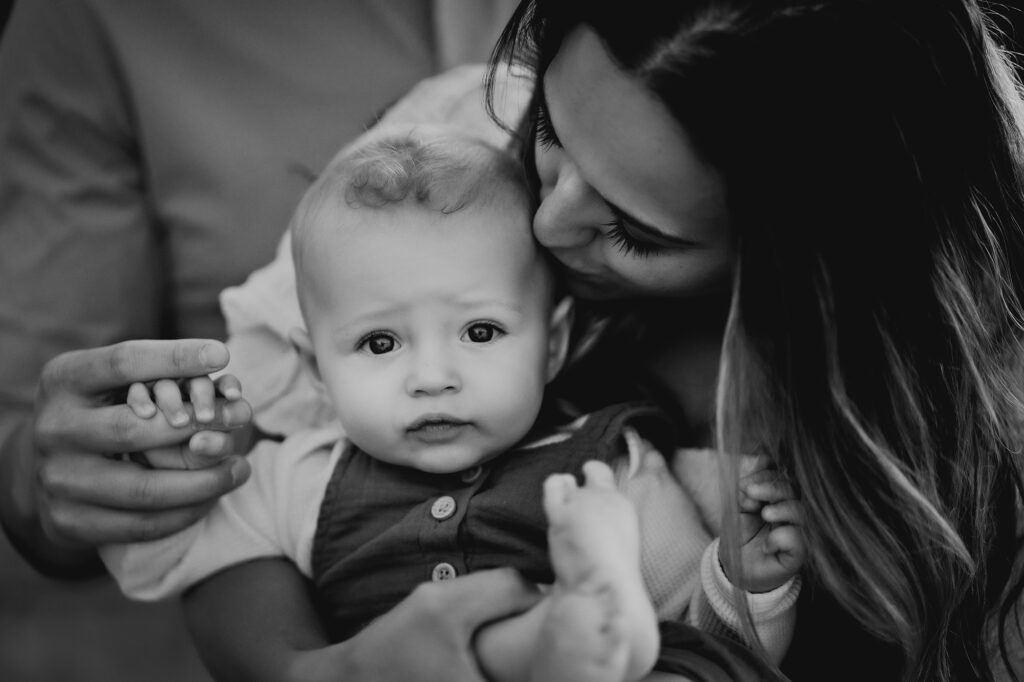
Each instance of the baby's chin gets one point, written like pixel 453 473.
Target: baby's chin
pixel 442 459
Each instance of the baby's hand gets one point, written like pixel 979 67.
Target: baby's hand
pixel 773 549
pixel 206 398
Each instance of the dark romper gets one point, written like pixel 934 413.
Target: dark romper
pixel 383 529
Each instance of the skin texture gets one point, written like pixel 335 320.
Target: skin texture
pixel 616 144
pixel 436 356
pixel 69 495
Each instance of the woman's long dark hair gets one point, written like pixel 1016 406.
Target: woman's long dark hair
pixel 872 155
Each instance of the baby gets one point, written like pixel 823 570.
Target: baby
pixel 433 321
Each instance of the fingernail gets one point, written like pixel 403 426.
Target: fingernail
pixel 147 411
pixel 232 394
pixel 239 470
pixel 205 415
pixel 179 419
pixel 213 356
pixel 201 442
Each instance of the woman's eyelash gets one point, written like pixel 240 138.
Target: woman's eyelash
pixel 628 244
pixel 543 131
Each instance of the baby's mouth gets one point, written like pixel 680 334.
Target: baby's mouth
pixel 435 425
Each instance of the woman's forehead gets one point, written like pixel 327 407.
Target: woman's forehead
pixel 625 142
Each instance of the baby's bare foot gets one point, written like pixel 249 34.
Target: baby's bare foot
pixel 581 640
pixel 594 542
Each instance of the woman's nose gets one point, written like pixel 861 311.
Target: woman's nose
pixel 570 213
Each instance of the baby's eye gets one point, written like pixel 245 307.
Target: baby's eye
pixel 481 332
pixel 379 343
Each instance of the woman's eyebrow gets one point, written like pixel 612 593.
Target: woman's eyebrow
pixel 637 225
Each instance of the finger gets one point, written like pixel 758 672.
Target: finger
pixel 115 428
pixel 233 414
pixel 748 465
pixel 75 523
pixel 209 448
pixel 170 457
pixel 485 596
pixel 229 386
pixel 786 512
pixel 749 505
pixel 168 398
pixel 598 474
pixel 201 395
pixel 111 367
pixel 785 539
pixel 770 491
pixel 557 488
pixel 127 486
pixel 140 401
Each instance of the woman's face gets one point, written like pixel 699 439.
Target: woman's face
pixel 626 204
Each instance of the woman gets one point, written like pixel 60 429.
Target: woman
pixel 853 171
pixel 826 199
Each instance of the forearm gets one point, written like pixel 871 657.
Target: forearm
pixel 255 622
pixel 20 514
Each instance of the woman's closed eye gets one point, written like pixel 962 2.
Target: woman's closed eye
pixel 627 243
pixel 543 131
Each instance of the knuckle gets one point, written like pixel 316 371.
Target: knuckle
pixel 53 374
pixel 181 358
pixel 45 430
pixel 141 491
pixel 51 480
pixel 427 597
pixel 61 522
pixel 124 431
pixel 122 362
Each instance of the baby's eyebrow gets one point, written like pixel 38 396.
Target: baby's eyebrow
pixel 491 303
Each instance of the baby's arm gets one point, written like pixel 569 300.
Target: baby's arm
pixel 772 550
pixel 217 405
pixel 769 559
pixel 272 515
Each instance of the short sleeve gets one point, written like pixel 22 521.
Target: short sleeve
pixel 272 514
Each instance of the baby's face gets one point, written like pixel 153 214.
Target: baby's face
pixel 432 332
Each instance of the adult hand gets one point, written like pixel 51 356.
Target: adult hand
pixel 255 622
pixel 66 489
pixel 435 626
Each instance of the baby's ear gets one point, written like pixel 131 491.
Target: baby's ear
pixel 303 345
pixel 558 336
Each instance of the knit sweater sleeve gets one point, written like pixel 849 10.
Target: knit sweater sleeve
pixel 672 534
pixel 713 607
